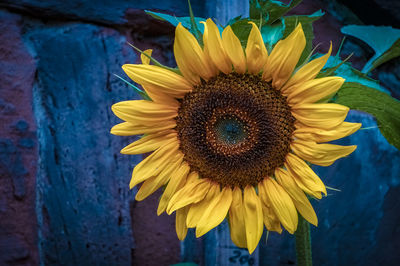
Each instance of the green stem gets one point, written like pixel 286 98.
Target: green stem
pixel 303 243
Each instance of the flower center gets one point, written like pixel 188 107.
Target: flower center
pixel 230 130
pixel 235 129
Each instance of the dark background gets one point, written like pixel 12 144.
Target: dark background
pixel 64 196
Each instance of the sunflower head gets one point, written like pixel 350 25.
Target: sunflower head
pixel 232 133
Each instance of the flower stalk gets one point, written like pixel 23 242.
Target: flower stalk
pixel 303 243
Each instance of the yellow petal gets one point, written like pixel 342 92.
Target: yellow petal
pixel 176 182
pixel 234 50
pixel 321 135
pixel 256 53
pixel 304 176
pixel 191 193
pixel 315 90
pixel 253 218
pixel 124 129
pixel 213 46
pixel 320 154
pixel 129 129
pixel 192 177
pixel 236 219
pixel 300 200
pixel 150 142
pixel 180 223
pixel 271 221
pixel 165 80
pixel 155 94
pixel 152 184
pixel 321 115
pixel 160 97
pixel 215 212
pixel 284 58
pixel 153 164
pixel 282 204
pixel 145 59
pixel 189 56
pixel 197 210
pixel 142 111
pixel 306 73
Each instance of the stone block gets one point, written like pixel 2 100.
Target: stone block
pixel 83 198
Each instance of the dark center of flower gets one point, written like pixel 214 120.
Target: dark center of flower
pixel 230 130
pixel 235 129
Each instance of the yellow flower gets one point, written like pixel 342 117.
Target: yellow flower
pixel 232 134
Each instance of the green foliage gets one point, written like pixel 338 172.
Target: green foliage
pixel 233 20
pixel 242 28
pixel 392 52
pixel 336 67
pixel 331 66
pixel 383 39
pixel 270 10
pixel 193 25
pixel 384 108
pixel 272 33
pixel 269 15
pixel 275 28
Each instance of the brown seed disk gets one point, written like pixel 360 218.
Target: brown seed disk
pixel 235 129
pixel 217 139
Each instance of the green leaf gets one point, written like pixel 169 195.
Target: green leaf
pixel 393 52
pixel 242 29
pixel 350 74
pixel 384 40
pixel 186 21
pixel 330 68
pixel 193 25
pixel 272 33
pixel 306 22
pixel 257 9
pixel 383 107
pixel 234 20
pixel 270 9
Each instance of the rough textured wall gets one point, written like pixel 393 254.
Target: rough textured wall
pixel 18 145
pixel 82 198
pixel 64 188
pixel 64 195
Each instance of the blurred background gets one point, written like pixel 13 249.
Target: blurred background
pixel 64 195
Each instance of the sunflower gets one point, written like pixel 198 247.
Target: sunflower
pixel 232 133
